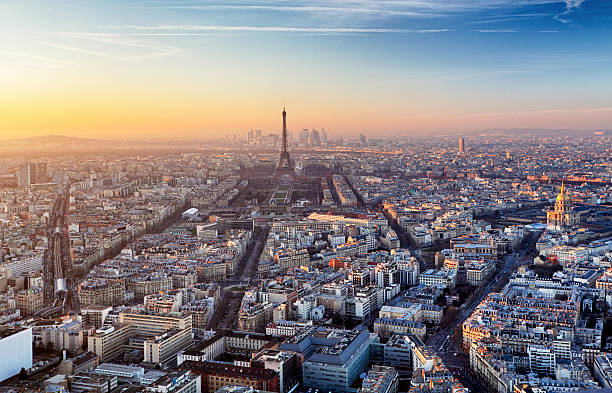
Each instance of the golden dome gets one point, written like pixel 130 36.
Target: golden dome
pixel 563 201
pixel 562 195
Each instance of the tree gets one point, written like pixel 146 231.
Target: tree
pixel 23 374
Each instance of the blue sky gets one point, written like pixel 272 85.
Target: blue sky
pixel 397 66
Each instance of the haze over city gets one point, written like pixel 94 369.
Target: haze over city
pixel 110 69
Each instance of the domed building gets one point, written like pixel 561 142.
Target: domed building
pixel 563 216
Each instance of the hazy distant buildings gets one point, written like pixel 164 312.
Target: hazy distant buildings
pixel 38 172
pixel 315 138
pixel 32 173
pixel 304 136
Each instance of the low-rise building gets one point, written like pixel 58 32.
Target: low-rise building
pixel 380 379
pixel 438 278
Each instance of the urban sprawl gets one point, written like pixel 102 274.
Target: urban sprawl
pixel 294 262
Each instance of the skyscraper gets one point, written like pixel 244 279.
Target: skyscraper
pixel 461 146
pixel 315 139
pixel 23 176
pixel 304 136
pixel 32 173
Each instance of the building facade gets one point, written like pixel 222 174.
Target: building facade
pixel 563 216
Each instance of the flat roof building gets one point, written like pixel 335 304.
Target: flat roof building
pixel 15 350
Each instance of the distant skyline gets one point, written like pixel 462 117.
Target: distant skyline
pixel 201 68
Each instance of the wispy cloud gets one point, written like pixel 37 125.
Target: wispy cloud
pixel 124 34
pixel 118 42
pixel 153 49
pixel 570 7
pixel 44 60
pixel 306 9
pixel 473 11
pixel 390 7
pixel 273 29
pixel 511 18
pixel 513 31
pixel 85 51
pixel 496 31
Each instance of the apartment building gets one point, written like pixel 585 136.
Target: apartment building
pixel 109 340
pixel 380 379
pixel 162 349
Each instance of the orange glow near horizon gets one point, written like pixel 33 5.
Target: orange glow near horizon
pixel 149 115
pixel 134 69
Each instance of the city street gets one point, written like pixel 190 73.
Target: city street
pixel 442 342
pixel 224 316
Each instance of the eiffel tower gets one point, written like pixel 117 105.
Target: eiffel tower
pixel 285 165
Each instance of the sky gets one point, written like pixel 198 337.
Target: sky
pixel 205 68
